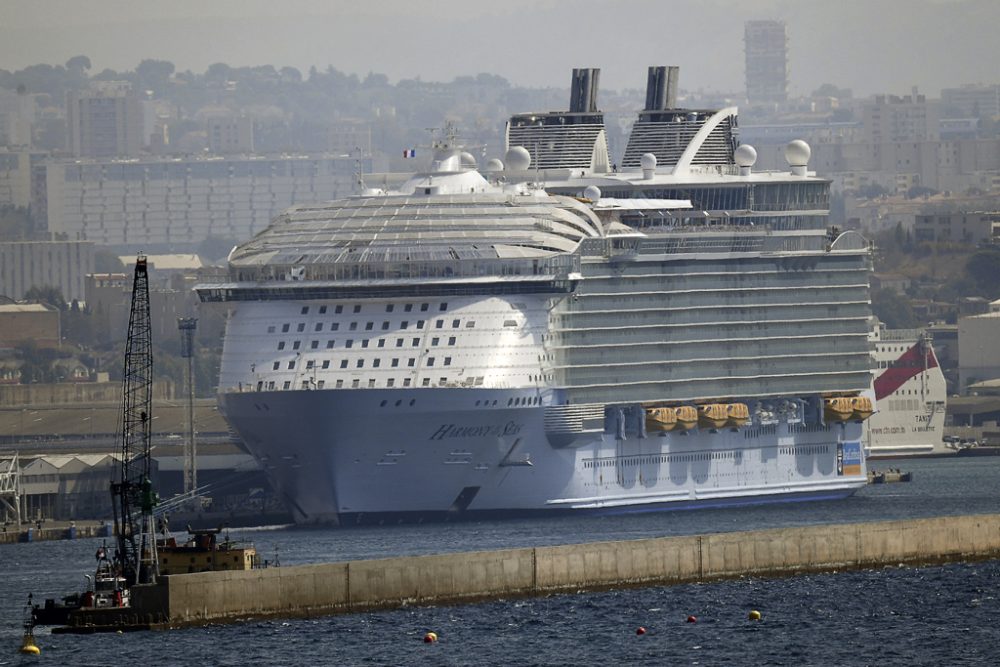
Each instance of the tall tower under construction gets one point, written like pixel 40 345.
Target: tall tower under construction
pixel 766 52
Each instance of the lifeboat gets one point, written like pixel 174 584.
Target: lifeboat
pixel 837 409
pixel 737 414
pixel 687 417
pixel 712 415
pixel 660 419
pixel 862 408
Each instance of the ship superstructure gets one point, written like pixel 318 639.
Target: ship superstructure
pixel 910 393
pixel 569 339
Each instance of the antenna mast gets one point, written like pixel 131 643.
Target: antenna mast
pixel 133 493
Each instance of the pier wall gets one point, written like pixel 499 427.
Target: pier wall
pixel 462 577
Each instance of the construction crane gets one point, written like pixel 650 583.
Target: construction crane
pixel 132 492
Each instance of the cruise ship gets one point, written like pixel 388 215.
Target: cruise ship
pixel 554 333
pixel 910 393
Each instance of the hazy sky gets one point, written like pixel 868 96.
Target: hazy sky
pixel 869 45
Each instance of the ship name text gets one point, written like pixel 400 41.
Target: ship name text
pixel 482 431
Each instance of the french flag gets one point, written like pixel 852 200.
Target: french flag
pixel 409 152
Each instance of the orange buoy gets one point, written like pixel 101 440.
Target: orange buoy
pixel 430 638
pixel 640 630
pixel 692 619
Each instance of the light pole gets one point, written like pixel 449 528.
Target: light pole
pixel 187 326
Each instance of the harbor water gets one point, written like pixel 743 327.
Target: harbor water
pixel 889 616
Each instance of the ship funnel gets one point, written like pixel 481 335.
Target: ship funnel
pixel 583 91
pixel 661 87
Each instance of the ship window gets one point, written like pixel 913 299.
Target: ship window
pixel 444 306
pixel 291 365
pixel 383 404
pixel 301 327
pixel 376 363
pixel 364 343
pixel 330 344
pixel 381 342
pixel 284 328
pixel 408 307
pixel 439 324
pixel 334 326
pixel 369 326
pixel 442 380
pixel 435 340
pixel 276 365
pixel 296 345
pixel 388 308
pixel 349 343
pixel 319 326
pixel 510 402
pixel 411 362
pixel 354 326
pixel 430 361
pixel 447 361
pixel 510 323
pixel 338 309
pixel 385 326
pixel 321 384
pixel 416 342
pixel 391 382
pixel 343 363
pixel 451 340
pixel 281 345
pixel 326 363
pixel 340 383
pixel 404 324
pixel 310 364
pixel 355 384
pixel 287 385
pixel 399 342
pixel 471 324
pixel 427 382
pixel 406 383
pixel 371 383
pixel 420 324
pixel 314 345
pixel 322 310
pixel 455 323
pixel 424 306
pixel 395 363
pixel 270 329
pixel 357 309
pixel 361 363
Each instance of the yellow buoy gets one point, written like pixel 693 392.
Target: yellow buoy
pixel 29 647
pixel 754 615
pixel 430 638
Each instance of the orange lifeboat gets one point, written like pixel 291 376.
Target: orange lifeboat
pixel 660 419
pixel 862 408
pixel 737 414
pixel 712 415
pixel 837 409
pixel 687 417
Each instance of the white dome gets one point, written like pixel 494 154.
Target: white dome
pixel 745 155
pixel 493 166
pixel 647 161
pixel 797 153
pixel 517 158
pixel 468 160
pixel 592 192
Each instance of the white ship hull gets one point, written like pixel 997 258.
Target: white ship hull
pixel 352 459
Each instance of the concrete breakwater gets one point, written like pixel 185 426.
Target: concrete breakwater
pixel 64 531
pixel 310 590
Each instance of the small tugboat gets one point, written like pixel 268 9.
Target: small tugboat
pixel 107 588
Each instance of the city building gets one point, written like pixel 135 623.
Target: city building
pixel 890 118
pixel 972 100
pixel 978 353
pixel 20 322
pixel 766 56
pixel 104 121
pixel 967 227
pixel 17 113
pixel 230 134
pixel 169 204
pixel 59 264
pixel 15 177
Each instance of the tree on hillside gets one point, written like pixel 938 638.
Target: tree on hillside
pixel 46 294
pixel 984 268
pixel 893 309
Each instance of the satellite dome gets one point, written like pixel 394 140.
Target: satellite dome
pixel 647 161
pixel 493 166
pixel 797 153
pixel 592 192
pixel 746 155
pixel 518 158
pixel 468 160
